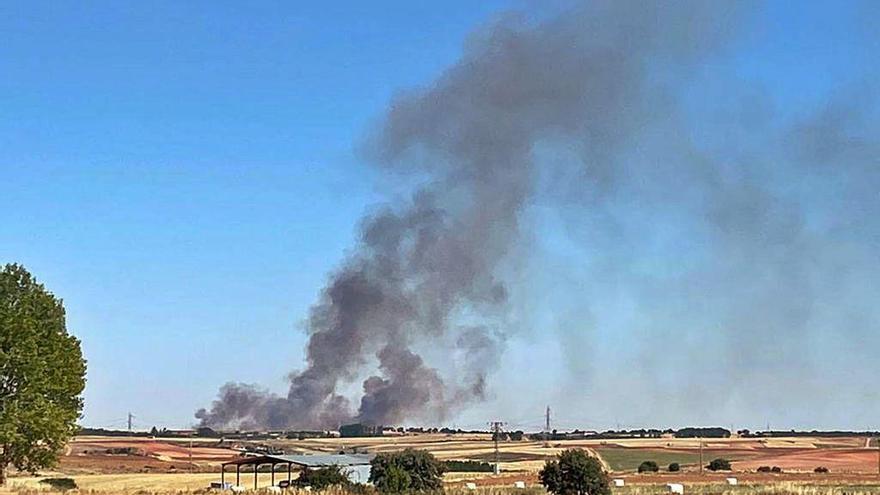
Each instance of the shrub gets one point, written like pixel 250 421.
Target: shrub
pixel 407 471
pixel 764 469
pixel 719 465
pixel 574 472
pixel 322 478
pixel 60 483
pixel 468 467
pixel 674 467
pixel 648 467
pixel 776 469
pixel 395 480
pixel 821 469
pixel 122 451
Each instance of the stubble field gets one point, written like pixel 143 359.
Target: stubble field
pixel 116 464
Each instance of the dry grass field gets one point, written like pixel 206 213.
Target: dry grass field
pixel 105 464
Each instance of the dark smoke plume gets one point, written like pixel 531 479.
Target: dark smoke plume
pixel 575 113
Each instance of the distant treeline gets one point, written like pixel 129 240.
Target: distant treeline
pixel 515 436
pixel 112 433
pixel 813 433
pixel 208 433
pixel 713 432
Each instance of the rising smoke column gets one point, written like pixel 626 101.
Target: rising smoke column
pixel 593 82
pixel 428 268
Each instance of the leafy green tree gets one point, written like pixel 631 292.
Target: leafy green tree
pixel 648 467
pixel 395 480
pixel 42 374
pixel 719 465
pixel 409 470
pixel 575 472
pixel 674 467
pixel 323 477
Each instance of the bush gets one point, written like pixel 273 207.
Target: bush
pixel 649 467
pixel 122 451
pixel 406 471
pixel 674 467
pixel 764 469
pixel 719 465
pixel 60 483
pixel 575 472
pixel 468 467
pixel 776 469
pixel 821 469
pixel 322 478
pixel 395 480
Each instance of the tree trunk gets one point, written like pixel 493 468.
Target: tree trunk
pixel 2 474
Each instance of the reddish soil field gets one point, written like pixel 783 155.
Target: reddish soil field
pixel 153 448
pixel 133 455
pixel 102 464
pixel 837 460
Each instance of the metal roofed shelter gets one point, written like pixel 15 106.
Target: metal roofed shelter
pixel 358 464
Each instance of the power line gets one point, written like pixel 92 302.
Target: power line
pixel 497 428
pixel 547 427
pixel 701 455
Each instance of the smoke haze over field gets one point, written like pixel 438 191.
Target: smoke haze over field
pixel 743 237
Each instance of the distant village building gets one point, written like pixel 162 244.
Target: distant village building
pixel 360 430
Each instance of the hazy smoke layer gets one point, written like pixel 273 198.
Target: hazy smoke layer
pixel 592 88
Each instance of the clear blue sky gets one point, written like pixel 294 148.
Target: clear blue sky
pixel 182 174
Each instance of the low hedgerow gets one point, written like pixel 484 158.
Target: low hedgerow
pixel 467 467
pixel 60 483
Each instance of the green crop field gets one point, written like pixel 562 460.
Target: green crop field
pixel 628 459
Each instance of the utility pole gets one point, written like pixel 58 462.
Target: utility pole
pixel 547 427
pixel 701 455
pixel 130 417
pixel 496 428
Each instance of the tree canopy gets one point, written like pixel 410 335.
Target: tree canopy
pixel 42 374
pixel 719 465
pixel 575 472
pixel 322 478
pixel 407 471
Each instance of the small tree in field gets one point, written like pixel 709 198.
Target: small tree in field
pixel 42 374
pixel 575 472
pixel 407 471
pixel 322 478
pixel 719 465
pixel 649 467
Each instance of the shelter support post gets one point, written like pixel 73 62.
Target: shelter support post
pixel 273 474
pixel 223 475
pixel 237 475
pixel 256 473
